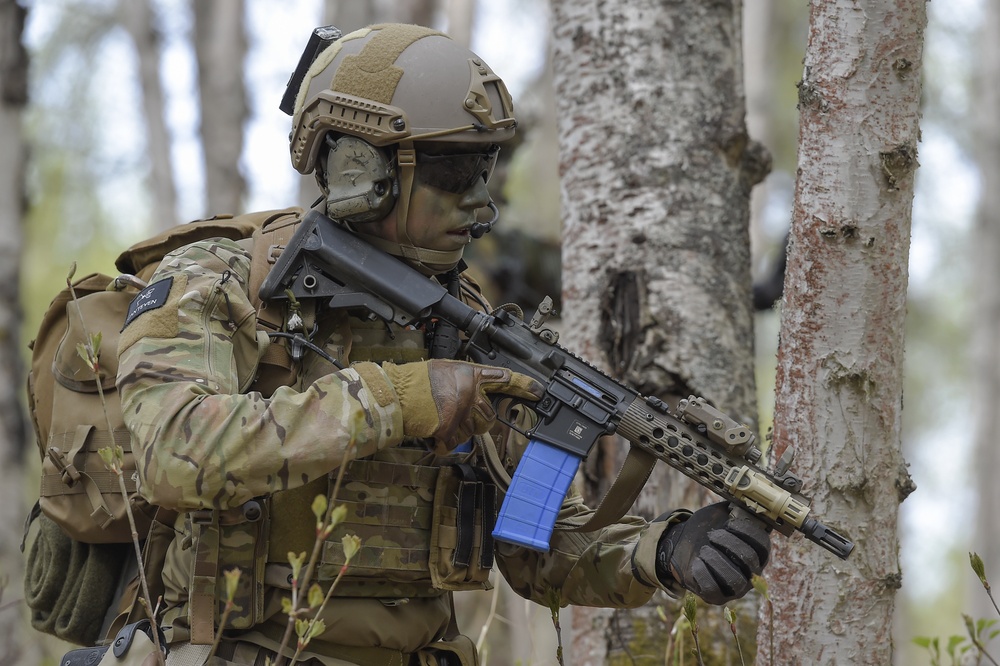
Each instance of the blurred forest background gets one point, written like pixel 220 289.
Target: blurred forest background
pixel 135 113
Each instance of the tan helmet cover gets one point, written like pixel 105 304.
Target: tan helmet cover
pixel 397 84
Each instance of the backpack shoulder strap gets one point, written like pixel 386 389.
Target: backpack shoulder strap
pixel 268 242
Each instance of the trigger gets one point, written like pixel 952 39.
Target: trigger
pixel 507 411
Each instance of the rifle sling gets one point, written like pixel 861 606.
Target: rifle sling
pixel 621 495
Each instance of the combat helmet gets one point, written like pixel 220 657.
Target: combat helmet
pixel 359 104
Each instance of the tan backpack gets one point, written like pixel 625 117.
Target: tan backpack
pixel 77 413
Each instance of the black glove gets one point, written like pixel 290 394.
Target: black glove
pixel 714 553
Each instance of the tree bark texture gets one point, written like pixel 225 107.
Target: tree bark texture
pixel 138 20
pixel 220 47
pixel 840 359
pixel 13 426
pixel 986 323
pixel 656 170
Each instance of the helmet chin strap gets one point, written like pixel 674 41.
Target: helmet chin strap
pixel 429 262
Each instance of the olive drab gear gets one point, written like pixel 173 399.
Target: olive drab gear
pixel 392 86
pixel 84 531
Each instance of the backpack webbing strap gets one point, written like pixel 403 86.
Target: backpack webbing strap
pixel 105 481
pixel 72 479
pixel 202 602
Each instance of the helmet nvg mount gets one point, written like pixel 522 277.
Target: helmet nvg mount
pixel 355 98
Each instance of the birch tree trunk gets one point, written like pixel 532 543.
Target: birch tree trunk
pixel 840 359
pixel 220 45
pixel 656 170
pixel 13 435
pixel 986 323
pixel 137 18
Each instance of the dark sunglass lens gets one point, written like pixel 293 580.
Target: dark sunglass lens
pixel 455 173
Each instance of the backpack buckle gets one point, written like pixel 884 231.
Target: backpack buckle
pixel 68 472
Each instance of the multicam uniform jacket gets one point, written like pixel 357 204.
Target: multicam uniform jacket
pixel 242 468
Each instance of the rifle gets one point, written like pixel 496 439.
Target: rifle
pixel 580 403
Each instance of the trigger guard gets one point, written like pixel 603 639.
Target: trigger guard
pixel 500 401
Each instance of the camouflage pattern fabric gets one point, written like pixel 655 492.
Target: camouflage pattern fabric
pixel 205 445
pixel 206 440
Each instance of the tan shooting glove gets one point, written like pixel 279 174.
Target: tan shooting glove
pixel 450 400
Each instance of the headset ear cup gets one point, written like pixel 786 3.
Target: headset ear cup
pixel 360 180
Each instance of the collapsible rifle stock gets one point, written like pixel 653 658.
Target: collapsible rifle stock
pixel 580 403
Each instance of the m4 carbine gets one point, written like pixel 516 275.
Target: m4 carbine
pixel 580 403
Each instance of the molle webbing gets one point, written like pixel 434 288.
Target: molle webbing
pixel 371 74
pixel 424 526
pixel 390 502
pixel 224 540
pixel 372 341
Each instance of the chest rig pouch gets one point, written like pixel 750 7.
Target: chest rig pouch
pixel 225 541
pixel 424 521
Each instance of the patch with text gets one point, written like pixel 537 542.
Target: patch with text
pixel 152 297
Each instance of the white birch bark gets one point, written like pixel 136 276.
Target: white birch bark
pixel 656 170
pixel 840 359
pixel 220 47
pixel 137 19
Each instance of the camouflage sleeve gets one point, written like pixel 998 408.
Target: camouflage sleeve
pixel 614 567
pixel 188 349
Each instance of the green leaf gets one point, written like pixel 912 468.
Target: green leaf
pixel 316 595
pixel 979 568
pixel 84 352
pixel 232 577
pixel 690 608
pixel 760 585
pixel 317 628
pixel 954 642
pixel 319 507
pixel 296 561
pixel 108 456
pixel 338 515
pixel 352 544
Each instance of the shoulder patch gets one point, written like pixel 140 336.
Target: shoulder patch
pixel 151 298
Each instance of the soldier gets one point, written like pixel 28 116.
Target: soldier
pixel 401 127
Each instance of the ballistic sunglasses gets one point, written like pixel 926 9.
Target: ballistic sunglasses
pixel 456 172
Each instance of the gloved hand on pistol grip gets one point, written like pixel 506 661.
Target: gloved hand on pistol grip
pixel 714 553
pixel 450 400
